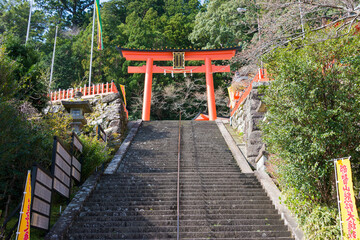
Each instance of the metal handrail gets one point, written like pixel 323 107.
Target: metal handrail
pixel 178 182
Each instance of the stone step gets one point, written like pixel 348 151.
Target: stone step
pixel 200 201
pixel 102 198
pixel 199 211
pixel 95 228
pixel 194 235
pixel 164 221
pixel 147 208
pixel 184 187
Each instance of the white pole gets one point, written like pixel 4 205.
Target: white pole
pixel 301 20
pixel 28 28
pixel 53 57
pixel 92 44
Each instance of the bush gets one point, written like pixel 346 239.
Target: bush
pixel 93 156
pixel 21 144
pixel 313 116
pixel 313 113
pixel 318 222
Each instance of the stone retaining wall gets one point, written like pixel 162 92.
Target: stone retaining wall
pixel 246 120
pixel 108 112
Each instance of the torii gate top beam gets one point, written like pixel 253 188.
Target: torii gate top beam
pixel 167 54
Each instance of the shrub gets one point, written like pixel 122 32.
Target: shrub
pixel 93 156
pixel 318 222
pixel 21 144
pixel 313 113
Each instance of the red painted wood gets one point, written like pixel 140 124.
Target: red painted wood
pixel 210 90
pixel 135 55
pixel 168 69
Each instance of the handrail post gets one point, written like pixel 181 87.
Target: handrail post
pixel 178 182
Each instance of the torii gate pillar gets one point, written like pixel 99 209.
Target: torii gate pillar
pixel 147 90
pixel 210 90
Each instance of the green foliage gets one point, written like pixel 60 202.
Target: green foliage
pixel 318 222
pixel 313 112
pixel 27 73
pixel 21 144
pixel 59 123
pixel 8 86
pixel 14 15
pixel 93 155
pixel 222 26
pixel 72 12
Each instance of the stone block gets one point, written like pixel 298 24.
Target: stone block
pixel 254 95
pixel 260 164
pixel 114 123
pixel 110 98
pixel 255 103
pixel 253 150
pixel 254 138
pixel 254 123
pixel 255 85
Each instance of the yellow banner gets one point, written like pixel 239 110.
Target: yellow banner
pixel 231 96
pixel 349 214
pixel 122 87
pixel 23 232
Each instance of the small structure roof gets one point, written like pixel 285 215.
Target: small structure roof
pixel 85 105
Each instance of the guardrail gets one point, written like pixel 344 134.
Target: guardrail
pixel 98 89
pixel 260 77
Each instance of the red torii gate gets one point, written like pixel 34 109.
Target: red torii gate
pixel 178 56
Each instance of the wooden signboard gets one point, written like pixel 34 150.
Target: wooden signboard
pixel 76 143
pixel 76 169
pixel 77 146
pixel 42 194
pixel 179 60
pixel 61 168
pixel 101 133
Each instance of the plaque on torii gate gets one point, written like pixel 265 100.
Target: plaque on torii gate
pixel 178 56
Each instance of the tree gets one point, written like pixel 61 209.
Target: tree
pixel 280 22
pixel 221 25
pixel 28 75
pixel 8 86
pixel 313 107
pixel 21 145
pixel 74 13
pixel 14 15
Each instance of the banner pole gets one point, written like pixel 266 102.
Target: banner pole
pixel 92 43
pixel 29 21
pixel 53 58
pixel 22 205
pixel 338 198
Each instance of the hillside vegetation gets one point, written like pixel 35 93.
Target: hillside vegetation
pixel 310 49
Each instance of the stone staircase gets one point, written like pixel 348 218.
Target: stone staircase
pixel 217 201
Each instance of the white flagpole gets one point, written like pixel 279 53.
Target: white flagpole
pixel 301 20
pixel 28 28
pixel 92 43
pixel 53 57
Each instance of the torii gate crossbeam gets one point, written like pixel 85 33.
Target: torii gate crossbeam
pixel 187 55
